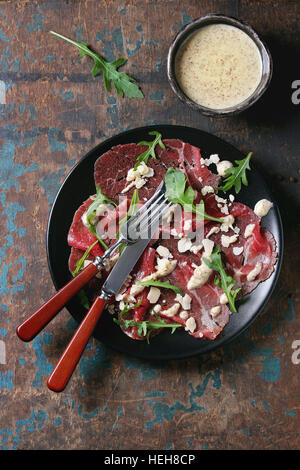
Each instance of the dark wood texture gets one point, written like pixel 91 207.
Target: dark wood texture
pixel 243 396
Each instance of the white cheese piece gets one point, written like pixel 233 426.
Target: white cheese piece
pixel 110 262
pixel 248 230
pixel 196 248
pixel 231 197
pixel 214 158
pixel 226 241
pixel 156 309
pixel 220 199
pixel 190 324
pixel 237 250
pixel 153 295
pixel 223 166
pixel 187 225
pixel 214 311
pixel 184 244
pixel 136 289
pixel 185 301
pixel 165 266
pixel 200 276
pixel 170 312
pixel 223 299
pixel 184 315
pixel 255 272
pixel 212 231
pixel 207 190
pixel 163 252
pixel 224 209
pixel 169 214
pixel 208 246
pixel 227 224
pixel 137 177
pixel 262 207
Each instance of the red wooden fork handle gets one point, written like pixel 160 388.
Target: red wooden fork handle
pixel 68 361
pixel 38 320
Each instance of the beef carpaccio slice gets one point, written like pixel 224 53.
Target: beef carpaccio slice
pixel 259 247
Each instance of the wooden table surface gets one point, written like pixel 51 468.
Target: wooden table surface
pixel 243 396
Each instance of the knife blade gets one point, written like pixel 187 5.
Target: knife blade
pixel 123 268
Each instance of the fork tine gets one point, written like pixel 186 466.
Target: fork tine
pixel 144 214
pixel 148 226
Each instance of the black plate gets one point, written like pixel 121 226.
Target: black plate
pixel 79 185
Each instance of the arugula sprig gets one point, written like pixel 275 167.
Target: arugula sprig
pixel 177 192
pixel 123 83
pixel 144 327
pixel 150 152
pixel 225 281
pixel 236 175
pixel 165 284
pixel 80 262
pixel 98 205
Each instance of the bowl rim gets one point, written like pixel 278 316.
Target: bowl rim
pixel 190 29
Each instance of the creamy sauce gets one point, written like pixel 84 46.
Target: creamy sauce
pixel 219 66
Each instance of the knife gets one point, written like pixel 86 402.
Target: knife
pixel 68 361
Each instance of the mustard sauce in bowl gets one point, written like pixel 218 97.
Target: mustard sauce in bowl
pixel 219 65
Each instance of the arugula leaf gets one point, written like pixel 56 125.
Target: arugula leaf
pixel 165 284
pixel 83 299
pixel 177 192
pixel 81 261
pixel 236 175
pixel 131 211
pixel 124 84
pixel 150 152
pixel 226 282
pixel 93 210
pixel 145 327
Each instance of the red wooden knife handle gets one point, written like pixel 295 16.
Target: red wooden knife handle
pixel 67 363
pixel 38 320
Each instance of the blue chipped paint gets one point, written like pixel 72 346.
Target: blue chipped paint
pixel 78 33
pixel 157 96
pixel 54 136
pixel 99 361
pixel 43 367
pixel 6 380
pixel 138 42
pixel 147 371
pixel 3 38
pixel 185 19
pixel 50 58
pixel 112 42
pixel 163 411
pixel 67 95
pixel 51 184
pixel 37 24
pixel 158 65
pixel 266 406
pixel 32 112
pixel 57 421
pixel 290 311
pixel 290 412
pixel 6 64
pixel 271 365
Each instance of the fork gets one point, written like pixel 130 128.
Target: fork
pixel 131 230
